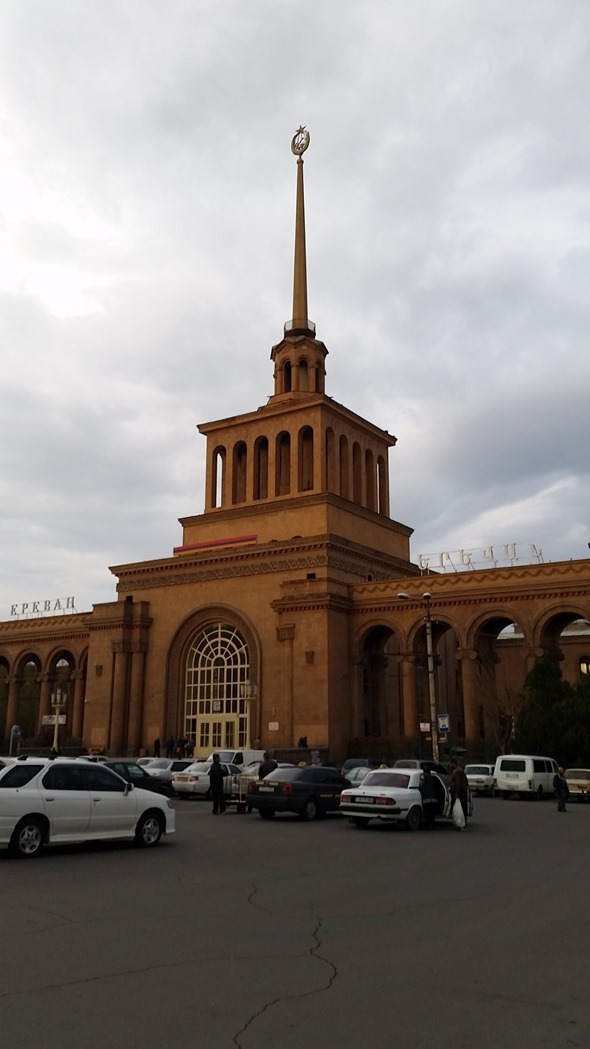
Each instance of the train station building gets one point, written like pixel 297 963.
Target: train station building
pixel 278 613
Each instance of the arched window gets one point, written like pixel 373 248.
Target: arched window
pixel 216 713
pixel 283 464
pixel 585 665
pixel 382 488
pixel 357 475
pixel 370 480
pixel 261 468
pixel 218 477
pixel 344 468
pixel 305 458
pixel 240 464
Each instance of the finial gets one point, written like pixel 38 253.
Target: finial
pixel 300 141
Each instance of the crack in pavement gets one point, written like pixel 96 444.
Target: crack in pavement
pixel 313 953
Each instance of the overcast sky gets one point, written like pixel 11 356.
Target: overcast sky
pixel 147 193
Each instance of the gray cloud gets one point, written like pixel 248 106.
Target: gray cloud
pixel 146 220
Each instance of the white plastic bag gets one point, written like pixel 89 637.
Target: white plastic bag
pixel 458 817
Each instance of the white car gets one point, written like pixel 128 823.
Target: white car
pixel 46 801
pixel 393 795
pixel 164 768
pixel 194 781
pixel 480 779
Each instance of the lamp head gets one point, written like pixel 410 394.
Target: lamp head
pixel 404 597
pixel 426 596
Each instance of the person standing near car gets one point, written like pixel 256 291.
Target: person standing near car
pixel 267 765
pixel 459 787
pixel 216 778
pixel 429 797
pixel 561 789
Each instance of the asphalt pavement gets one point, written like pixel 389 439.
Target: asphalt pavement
pixel 239 933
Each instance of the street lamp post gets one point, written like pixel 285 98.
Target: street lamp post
pixel 426 599
pixel 59 700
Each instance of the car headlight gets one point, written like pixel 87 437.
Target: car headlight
pixel 169 803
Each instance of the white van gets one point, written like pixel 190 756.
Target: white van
pixel 237 757
pixel 524 774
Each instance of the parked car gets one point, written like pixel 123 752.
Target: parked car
pixel 425 763
pixel 140 777
pixel 355 763
pixel 578 781
pixel 194 782
pixel 393 795
pixel 480 779
pixel 356 775
pixel 164 768
pixel 46 801
pixel 309 792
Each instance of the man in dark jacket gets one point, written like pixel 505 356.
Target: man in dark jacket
pixel 561 789
pixel 266 766
pixel 429 796
pixel 216 778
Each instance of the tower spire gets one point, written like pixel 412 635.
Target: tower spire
pixel 300 323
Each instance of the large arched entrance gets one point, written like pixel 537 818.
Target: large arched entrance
pixel 213 681
pixel 216 702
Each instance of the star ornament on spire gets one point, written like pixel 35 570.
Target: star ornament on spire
pixel 300 141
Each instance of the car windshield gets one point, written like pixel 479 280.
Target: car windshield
pixel 286 775
pixel 578 774
pixel 386 779
pixel 406 763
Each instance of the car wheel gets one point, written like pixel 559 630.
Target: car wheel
pixel 168 791
pixel 28 838
pixel 149 830
pixel 267 814
pixel 414 818
pixel 360 821
pixel 310 811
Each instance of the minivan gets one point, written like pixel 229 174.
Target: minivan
pixel 526 774
pixel 237 757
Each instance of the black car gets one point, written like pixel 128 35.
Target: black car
pixel 136 774
pixel 309 792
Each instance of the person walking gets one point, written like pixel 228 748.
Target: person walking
pixel 561 789
pixel 170 747
pixel 429 797
pixel 266 766
pixel 216 778
pixel 459 787
pixel 157 747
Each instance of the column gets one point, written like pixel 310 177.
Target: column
pixel 118 700
pixel 44 698
pixel 411 726
pixel 78 683
pixel 285 634
pixel 12 705
pixel 469 678
pixel 134 731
